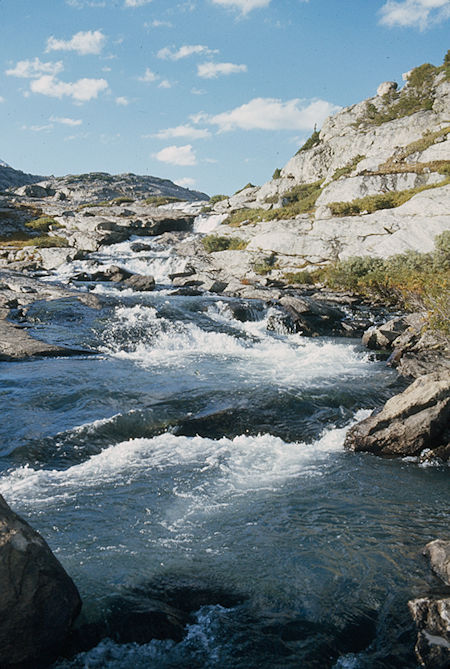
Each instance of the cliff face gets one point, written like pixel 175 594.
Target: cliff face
pixel 374 181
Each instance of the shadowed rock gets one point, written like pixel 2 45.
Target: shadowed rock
pixel 38 603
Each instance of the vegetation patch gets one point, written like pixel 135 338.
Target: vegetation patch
pixel 243 216
pixel 301 277
pixel 122 199
pixel 311 142
pixel 371 203
pixel 417 95
pixel 214 199
pixel 249 185
pixel 212 243
pixel 161 200
pixel 347 169
pixel 266 265
pixel 277 174
pixel 43 224
pixel 46 241
pixel 412 280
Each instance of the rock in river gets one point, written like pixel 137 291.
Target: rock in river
pixel 39 601
pixel 415 420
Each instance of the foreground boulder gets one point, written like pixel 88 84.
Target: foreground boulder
pixel 415 420
pixel 432 615
pixel 38 603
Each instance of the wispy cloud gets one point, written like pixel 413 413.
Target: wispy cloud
pixel 186 182
pixel 89 42
pixel 156 23
pixel 244 6
pixel 414 13
pixel 148 77
pixel 64 120
pixel 271 114
pixel 122 101
pixel 214 70
pixel 27 69
pixel 184 52
pixel 1 99
pixel 82 90
pixel 186 131
pixel 38 128
pixel 136 3
pixel 177 155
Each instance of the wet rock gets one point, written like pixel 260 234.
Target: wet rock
pixel 39 601
pixel 433 639
pixel 382 337
pixel 140 283
pixel 438 552
pixel 410 422
pixel 432 615
pixel 138 247
pixel 311 317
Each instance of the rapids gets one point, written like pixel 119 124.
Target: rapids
pixel 205 452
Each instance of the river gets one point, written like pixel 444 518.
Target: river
pixel 200 454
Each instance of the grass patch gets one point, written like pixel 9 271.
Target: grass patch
pixel 43 224
pixel 161 200
pixel 214 199
pixel 122 199
pixel 276 174
pixel 212 243
pixel 245 216
pixel 371 203
pixel 347 169
pixel 411 280
pixel 301 277
pixel 45 241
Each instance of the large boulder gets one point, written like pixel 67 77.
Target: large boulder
pixel 415 420
pixel 39 601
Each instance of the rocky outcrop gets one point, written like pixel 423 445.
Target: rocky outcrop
pixel 409 423
pixel 11 178
pixel 432 614
pixel 38 603
pixel 116 274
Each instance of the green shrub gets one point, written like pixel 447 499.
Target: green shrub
pixel 300 277
pixel 241 216
pixel 122 199
pixel 277 174
pixel 214 243
pixel 266 265
pixel 311 142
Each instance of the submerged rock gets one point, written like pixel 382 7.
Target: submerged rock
pixel 414 420
pixel 39 601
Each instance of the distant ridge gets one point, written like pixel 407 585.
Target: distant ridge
pixel 3 164
pixel 11 178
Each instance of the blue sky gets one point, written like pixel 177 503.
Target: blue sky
pixel 209 93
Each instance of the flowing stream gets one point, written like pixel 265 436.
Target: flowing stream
pixel 199 452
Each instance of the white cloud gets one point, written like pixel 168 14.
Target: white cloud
pixel 165 83
pixel 186 182
pixel 271 114
pixel 1 99
pixel 148 76
pixel 187 131
pixel 27 69
pixel 414 13
pixel 122 101
pixel 38 128
pixel 177 155
pixel 184 52
pixel 90 42
pixel 245 6
pixel 81 90
pixel 66 121
pixel 214 70
pixel 156 23
pixel 136 3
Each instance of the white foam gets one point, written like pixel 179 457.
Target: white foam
pixel 225 468
pixel 283 360
pixel 205 224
